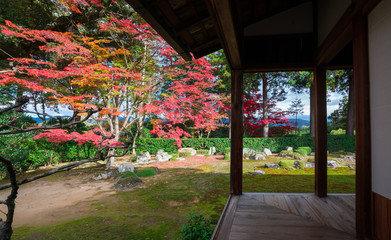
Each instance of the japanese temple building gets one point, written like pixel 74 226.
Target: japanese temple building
pixel 297 35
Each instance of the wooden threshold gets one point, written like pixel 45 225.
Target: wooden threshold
pixel 287 216
pixel 223 227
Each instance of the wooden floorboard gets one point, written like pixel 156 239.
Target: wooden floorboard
pixel 290 216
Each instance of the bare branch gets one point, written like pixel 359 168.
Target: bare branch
pixel 55 126
pixel 18 103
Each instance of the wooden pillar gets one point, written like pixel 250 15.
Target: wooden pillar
pixel 363 132
pixel 320 132
pixel 236 131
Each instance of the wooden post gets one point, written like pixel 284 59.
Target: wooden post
pixel 236 131
pixel 363 132
pixel 320 132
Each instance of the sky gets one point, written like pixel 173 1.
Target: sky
pixel 332 104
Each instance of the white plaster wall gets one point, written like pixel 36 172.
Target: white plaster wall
pixel 329 12
pixel 295 20
pixel 379 29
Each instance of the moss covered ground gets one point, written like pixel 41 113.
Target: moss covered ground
pixel 157 209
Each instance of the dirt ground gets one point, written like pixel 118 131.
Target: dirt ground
pixel 58 198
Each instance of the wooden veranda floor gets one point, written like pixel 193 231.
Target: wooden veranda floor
pixel 287 216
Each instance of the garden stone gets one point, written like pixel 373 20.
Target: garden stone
pixel 257 172
pixel 267 152
pixel 348 159
pixel 160 151
pixel 309 165
pixel 126 167
pixel 192 151
pixel 248 151
pixel 143 158
pixel 289 149
pixel 333 164
pixel 272 165
pixel 102 176
pixel 127 183
pixel 212 151
pixel 257 157
pixel 162 156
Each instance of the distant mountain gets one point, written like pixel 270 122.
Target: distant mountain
pixel 300 122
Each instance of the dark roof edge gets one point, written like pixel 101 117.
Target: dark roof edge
pixel 160 29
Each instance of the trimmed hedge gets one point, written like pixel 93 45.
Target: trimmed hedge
pixel 335 143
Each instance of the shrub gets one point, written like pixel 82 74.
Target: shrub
pixel 126 174
pixel 287 164
pixel 302 152
pixel 307 149
pixel 146 172
pixel 227 156
pixel 227 150
pixel 339 131
pixel 197 227
pixel 301 164
pixel 335 143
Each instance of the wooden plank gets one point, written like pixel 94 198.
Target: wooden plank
pixel 222 12
pixel 224 225
pixel 236 131
pixel 320 132
pixel 381 217
pixel 362 122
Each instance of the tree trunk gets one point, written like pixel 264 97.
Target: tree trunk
pixel 312 111
pixel 264 105
pixel 350 117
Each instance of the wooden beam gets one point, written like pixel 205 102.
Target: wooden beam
pixel 160 28
pixel 363 132
pixel 342 33
pixel 236 131
pixel 223 14
pixel 320 132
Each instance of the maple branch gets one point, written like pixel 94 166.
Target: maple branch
pixel 55 126
pixel 18 103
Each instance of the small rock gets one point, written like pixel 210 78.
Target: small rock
pixel 348 159
pixel 162 156
pixel 143 158
pixel 309 165
pixel 312 154
pixel 126 167
pixel 267 151
pixel 192 151
pixel 272 165
pixel 289 149
pixel 102 175
pixel 212 151
pixel 257 172
pixel 127 183
pixel 333 164
pixel 248 151
pixel 257 157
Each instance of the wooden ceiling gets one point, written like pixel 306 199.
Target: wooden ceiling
pixel 201 27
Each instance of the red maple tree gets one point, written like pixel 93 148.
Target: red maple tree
pixel 253 122
pixel 186 104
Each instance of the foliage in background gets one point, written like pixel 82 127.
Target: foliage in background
pixel 335 143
